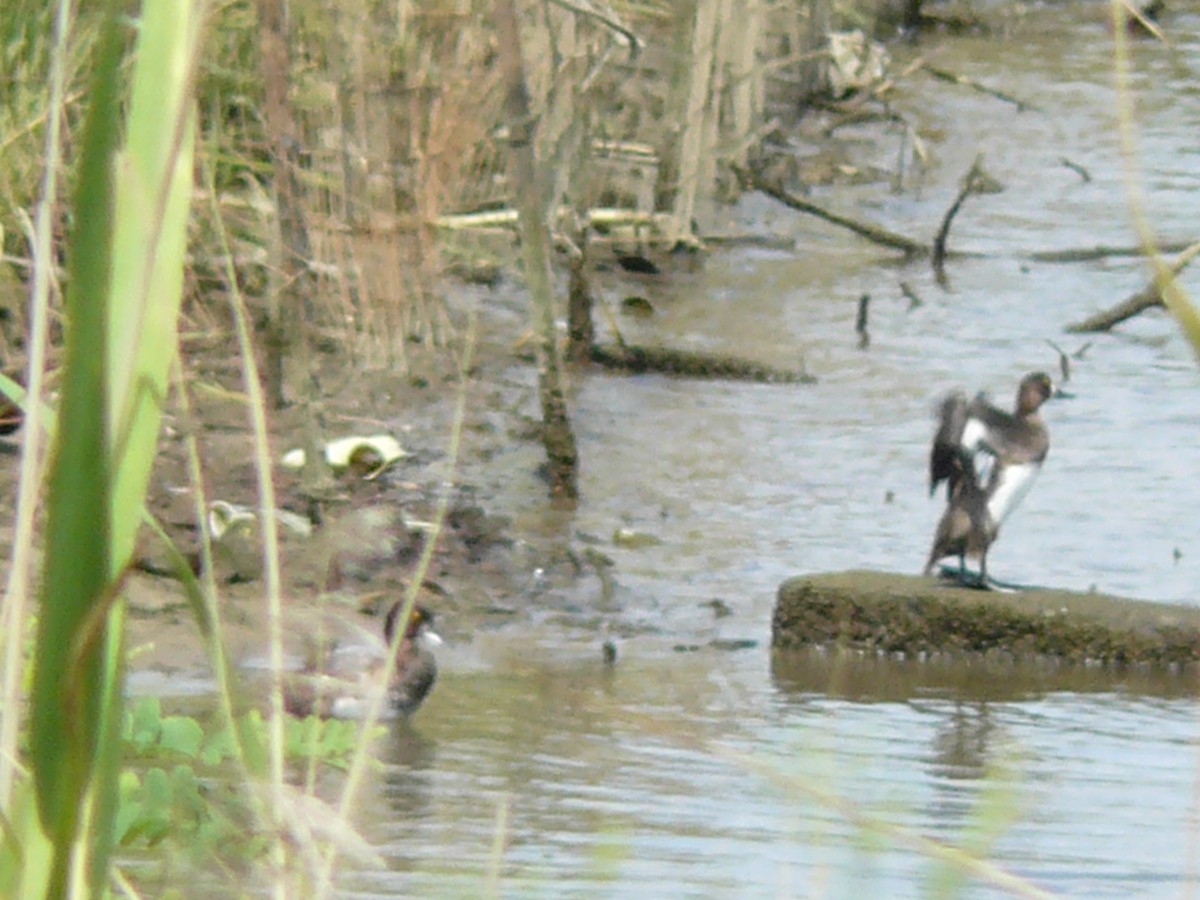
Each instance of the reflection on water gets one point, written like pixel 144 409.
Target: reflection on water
pixel 606 783
pixel 871 679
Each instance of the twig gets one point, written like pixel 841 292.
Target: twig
pixel 860 326
pixel 913 299
pixel 868 823
pixel 1076 168
pixel 360 761
pixel 1064 361
pixel 1064 358
pixel 607 19
pixel 1143 20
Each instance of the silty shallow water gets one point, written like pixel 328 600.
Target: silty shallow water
pixel 646 779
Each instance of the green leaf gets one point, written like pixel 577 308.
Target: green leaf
pixel 218 748
pixel 144 724
pixel 182 734
pixel 130 811
pixel 156 790
pixel 191 808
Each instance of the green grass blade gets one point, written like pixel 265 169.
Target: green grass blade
pixel 127 252
pixel 67 687
pixel 106 772
pixel 153 200
pixel 26 856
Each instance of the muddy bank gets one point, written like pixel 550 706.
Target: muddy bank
pixel 918 618
pixel 364 552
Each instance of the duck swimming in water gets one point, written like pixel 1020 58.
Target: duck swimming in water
pixel 411 680
pixel 989 460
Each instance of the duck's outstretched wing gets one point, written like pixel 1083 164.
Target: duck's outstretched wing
pixel 945 456
pixel 1002 435
pixel 986 437
pixel 962 452
pixel 969 439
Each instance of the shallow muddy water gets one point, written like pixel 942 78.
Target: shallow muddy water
pixel 692 771
pixel 605 783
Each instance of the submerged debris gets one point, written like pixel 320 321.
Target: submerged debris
pixel 369 455
pixel 691 364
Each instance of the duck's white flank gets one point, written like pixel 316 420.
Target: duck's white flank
pixel 1014 483
pixel 974 435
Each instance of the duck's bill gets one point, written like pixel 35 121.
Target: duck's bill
pixel 432 638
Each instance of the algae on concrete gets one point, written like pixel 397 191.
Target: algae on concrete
pixel 920 616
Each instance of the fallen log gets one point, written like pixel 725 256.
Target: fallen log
pixel 909 617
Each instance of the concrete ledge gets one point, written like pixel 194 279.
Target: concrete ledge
pixel 911 617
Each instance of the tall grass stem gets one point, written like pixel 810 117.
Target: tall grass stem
pixel 16 593
pixel 271 575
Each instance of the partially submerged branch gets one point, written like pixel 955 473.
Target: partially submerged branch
pixel 873 233
pixel 939 242
pixel 581 330
pixel 861 326
pixel 964 81
pixel 1102 251
pixel 1147 298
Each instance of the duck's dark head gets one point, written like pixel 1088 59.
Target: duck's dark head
pixel 415 666
pixel 1036 388
pixel 420 624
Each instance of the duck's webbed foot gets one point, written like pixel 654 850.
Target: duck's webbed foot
pixel 964 577
pixel 978 581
